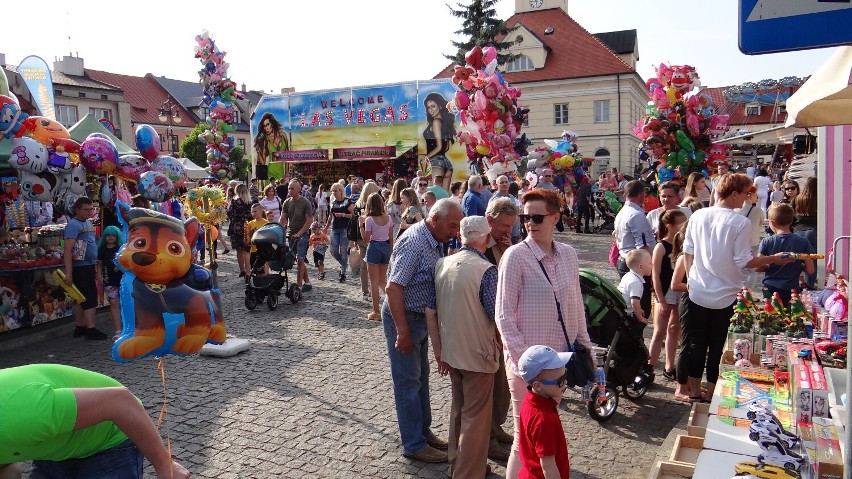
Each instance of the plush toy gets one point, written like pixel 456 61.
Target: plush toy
pixel 161 313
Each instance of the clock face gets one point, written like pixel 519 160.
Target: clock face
pixel 536 3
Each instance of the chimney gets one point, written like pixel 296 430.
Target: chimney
pixel 288 89
pixel 2 59
pixel 70 66
pixel 243 88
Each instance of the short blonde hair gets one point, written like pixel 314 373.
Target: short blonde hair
pixel 336 187
pixel 634 257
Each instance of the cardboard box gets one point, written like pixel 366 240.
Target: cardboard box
pixel 828 463
pixel 802 392
pixel 686 449
pixel 672 470
pixel 838 327
pixel 730 344
pixel 820 405
pixel 698 418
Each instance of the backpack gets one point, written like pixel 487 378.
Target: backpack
pixel 353 230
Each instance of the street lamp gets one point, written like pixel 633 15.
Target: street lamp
pixel 171 112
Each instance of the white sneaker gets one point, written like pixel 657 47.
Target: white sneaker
pixel 367 297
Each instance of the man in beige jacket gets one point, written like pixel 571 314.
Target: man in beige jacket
pixel 462 329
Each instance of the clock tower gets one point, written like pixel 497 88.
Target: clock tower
pixel 522 6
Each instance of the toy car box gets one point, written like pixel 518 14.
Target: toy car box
pixel 827 462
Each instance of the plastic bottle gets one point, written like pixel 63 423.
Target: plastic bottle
pixel 600 379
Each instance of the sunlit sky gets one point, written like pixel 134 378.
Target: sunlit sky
pixel 312 45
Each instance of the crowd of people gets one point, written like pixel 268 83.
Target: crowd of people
pixel 478 274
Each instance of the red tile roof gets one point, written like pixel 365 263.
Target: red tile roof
pixel 574 52
pixel 737 110
pixel 144 94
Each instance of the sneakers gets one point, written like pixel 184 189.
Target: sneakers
pixel 79 331
pixel 307 287
pixel 366 297
pixel 670 375
pixel 342 278
pixel 322 276
pixel 430 455
pixel 226 251
pixel 374 316
pixel 95 334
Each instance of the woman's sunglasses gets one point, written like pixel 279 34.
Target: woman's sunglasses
pixel 790 188
pixel 537 219
pixel 423 185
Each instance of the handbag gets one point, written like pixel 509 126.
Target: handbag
pixel 580 369
pixel 353 230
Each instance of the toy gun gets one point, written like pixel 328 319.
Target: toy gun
pixel 802 255
pixel 72 290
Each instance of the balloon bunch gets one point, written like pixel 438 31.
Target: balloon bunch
pixel 490 116
pixel 49 162
pixel 207 204
pixel 562 158
pixel 155 176
pixel 219 96
pixel 679 123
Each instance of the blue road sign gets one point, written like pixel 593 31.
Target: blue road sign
pixel 769 26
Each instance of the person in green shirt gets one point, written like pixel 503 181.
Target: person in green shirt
pixel 73 423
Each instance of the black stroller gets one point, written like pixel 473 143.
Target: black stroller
pixel 271 243
pixel 605 212
pixel 621 350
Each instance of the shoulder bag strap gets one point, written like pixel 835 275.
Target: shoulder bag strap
pixel 558 306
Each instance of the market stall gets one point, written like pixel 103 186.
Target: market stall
pixel 779 406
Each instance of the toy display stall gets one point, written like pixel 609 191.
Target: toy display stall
pixel 778 409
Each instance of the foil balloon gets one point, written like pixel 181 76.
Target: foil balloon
pixel 172 168
pixel 43 129
pixel 38 186
pixel 147 142
pixel 98 155
pixel 154 186
pixel 168 304
pixel 130 167
pixel 28 154
pixel 97 134
pixel 11 115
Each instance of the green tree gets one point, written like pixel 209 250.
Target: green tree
pixel 193 148
pixel 242 162
pixel 481 27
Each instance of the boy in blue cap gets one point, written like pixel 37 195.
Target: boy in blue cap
pixel 541 439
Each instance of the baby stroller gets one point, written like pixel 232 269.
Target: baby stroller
pixel 621 350
pixel 606 213
pixel 271 243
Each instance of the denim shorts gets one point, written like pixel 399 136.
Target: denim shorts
pixel 123 461
pixel 301 247
pixel 378 252
pixel 442 162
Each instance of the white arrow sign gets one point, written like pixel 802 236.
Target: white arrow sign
pixel 770 9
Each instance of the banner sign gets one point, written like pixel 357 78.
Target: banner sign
pixel 37 76
pixel 302 155
pixel 365 153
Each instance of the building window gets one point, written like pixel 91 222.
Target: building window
pixel 205 113
pixel 66 114
pixel 162 139
pixel 57 92
pixel 752 110
pixel 242 143
pixel 521 64
pixel 560 114
pixel 174 143
pixel 104 97
pixel 782 109
pixel 601 111
pixel 81 94
pixel 100 113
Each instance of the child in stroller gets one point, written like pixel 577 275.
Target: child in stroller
pixel 624 355
pixel 605 212
pixel 271 243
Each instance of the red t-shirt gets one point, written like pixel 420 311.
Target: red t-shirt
pixel 541 435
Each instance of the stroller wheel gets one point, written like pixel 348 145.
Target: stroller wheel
pixel 294 293
pixel 251 302
pixel 634 392
pixel 602 409
pixel 272 301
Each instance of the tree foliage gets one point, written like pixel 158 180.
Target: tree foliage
pixel 481 27
pixel 193 148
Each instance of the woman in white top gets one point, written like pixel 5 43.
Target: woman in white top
pixel 777 195
pixel 394 204
pixel 716 247
pixel 762 182
pixel 322 204
pixel 271 204
pixel 376 229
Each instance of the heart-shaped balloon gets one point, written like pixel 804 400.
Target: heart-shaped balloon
pixel 489 54
pixel 462 100
pixel 474 57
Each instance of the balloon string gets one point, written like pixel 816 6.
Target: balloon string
pixel 161 365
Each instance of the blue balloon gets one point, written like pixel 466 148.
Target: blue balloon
pixel 147 142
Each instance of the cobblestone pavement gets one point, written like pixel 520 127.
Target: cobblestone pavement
pixel 312 398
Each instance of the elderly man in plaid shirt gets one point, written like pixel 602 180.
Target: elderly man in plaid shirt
pixel 410 290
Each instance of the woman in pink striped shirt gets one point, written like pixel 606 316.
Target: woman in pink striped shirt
pixel 526 310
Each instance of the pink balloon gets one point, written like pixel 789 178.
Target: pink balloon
pixel 130 167
pixel 489 54
pixel 480 100
pixel 98 155
pixel 462 100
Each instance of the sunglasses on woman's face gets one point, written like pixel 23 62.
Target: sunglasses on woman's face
pixel 537 219
pixel 423 185
pixel 790 188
